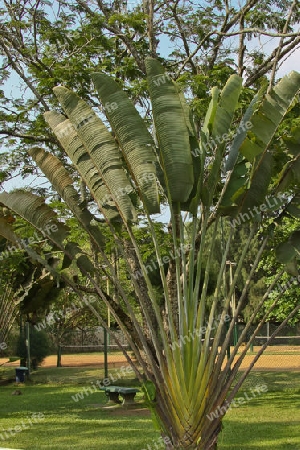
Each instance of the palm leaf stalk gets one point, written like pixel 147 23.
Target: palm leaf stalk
pixel 262 349
pixel 210 176
pixel 225 383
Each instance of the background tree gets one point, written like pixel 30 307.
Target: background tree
pixel 29 290
pixel 39 348
pixel 288 285
pixel 65 315
pixel 44 45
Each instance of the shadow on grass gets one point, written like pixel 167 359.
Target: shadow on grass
pixel 270 422
pixel 280 435
pixel 277 381
pixel 68 424
pixel 100 432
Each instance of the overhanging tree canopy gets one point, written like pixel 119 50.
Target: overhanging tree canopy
pixel 201 44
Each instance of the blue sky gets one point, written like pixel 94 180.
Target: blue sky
pixel 265 43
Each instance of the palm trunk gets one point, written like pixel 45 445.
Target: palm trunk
pixel 202 435
pixel 210 444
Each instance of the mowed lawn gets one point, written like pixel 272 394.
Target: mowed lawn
pixel 47 417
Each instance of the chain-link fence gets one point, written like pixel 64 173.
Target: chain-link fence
pixel 92 346
pixel 287 336
pixel 92 338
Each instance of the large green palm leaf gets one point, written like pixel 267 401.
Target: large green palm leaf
pixel 251 156
pixel 41 216
pixel 56 173
pixel 35 211
pixel 216 130
pixel 256 147
pixel 101 147
pixel 77 152
pixel 267 118
pixel 172 132
pixel 134 139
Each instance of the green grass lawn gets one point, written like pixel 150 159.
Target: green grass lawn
pixel 270 421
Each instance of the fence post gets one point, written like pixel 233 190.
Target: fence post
pixel 28 346
pixel 105 354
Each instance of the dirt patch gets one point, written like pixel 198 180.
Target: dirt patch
pixel 86 360
pixel 131 412
pixel 273 362
pixel 283 358
pixel 134 410
pixel 80 360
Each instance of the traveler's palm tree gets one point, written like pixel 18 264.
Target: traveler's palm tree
pixel 211 183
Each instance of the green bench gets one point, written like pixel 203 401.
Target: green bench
pixel 113 393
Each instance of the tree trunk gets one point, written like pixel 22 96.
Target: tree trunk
pixel 58 362
pixel 211 446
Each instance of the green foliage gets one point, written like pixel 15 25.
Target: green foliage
pixel 66 43
pixel 288 284
pixel 40 347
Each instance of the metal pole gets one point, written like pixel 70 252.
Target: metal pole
pixel 28 345
pixel 235 329
pixel 108 315
pixel 105 354
pixel 105 339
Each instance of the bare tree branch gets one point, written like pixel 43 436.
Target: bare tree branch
pixel 257 31
pixel 28 136
pixel 23 51
pixel 149 10
pixel 194 53
pixel 21 73
pixel 183 37
pixel 242 49
pixel 279 48
pixel 35 26
pixel 227 25
pixel 267 64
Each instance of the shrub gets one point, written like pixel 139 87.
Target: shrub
pixel 40 347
